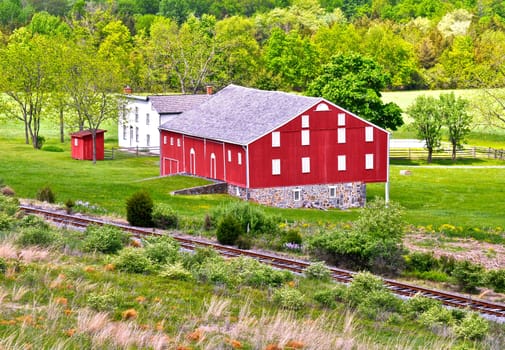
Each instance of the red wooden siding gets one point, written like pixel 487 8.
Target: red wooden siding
pixel 323 151
pixel 82 145
pixel 202 157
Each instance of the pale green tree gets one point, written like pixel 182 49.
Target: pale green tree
pixel 27 77
pixel 425 112
pixel 455 118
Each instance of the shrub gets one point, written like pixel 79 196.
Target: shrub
pixel 69 205
pixel 46 194
pixel 248 271
pixel 105 239
pixel 198 257
pixel 7 191
pixel 377 302
pixel 101 302
pixel 139 209
pixel 421 262
pixel 329 297
pixel 362 285
pixel 9 205
pixel 419 304
pixel 468 275
pixel 436 316
pixel 243 242
pixel 293 236
pixel 176 272
pixel 36 236
pixel 228 230
pixel 318 271
pixel 472 327
pixel 40 142
pixel 216 271
pixel 289 298
pixel 51 148
pixel 6 222
pixel 496 279
pixel 33 221
pixel 162 250
pixel 3 265
pixel 132 260
pixel 164 217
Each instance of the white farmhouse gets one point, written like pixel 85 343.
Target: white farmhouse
pixel 141 117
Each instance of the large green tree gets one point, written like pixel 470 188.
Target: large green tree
pixel 27 77
pixel 455 118
pixel 427 122
pixel 354 82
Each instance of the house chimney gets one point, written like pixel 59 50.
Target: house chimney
pixel 127 90
pixel 209 90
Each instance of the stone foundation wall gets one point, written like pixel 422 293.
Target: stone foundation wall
pixel 220 187
pixel 346 195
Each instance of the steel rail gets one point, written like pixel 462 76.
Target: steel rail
pixel 294 265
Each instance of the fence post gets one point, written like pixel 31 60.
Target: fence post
pixel 112 153
pixel 473 152
pixel 137 150
pixel 409 153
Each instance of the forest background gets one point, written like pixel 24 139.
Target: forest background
pixel 181 46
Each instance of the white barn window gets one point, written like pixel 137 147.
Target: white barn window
pixel 297 195
pixel 333 191
pixel 341 166
pixel 368 161
pixel 276 166
pixel 369 134
pixel 171 141
pixel 341 135
pixel 322 107
pixel 276 139
pixel 306 165
pixel 229 155
pixel 178 142
pixel 239 158
pixel 341 119
pixel 305 121
pixel 305 137
pixel 164 140
pixel 76 142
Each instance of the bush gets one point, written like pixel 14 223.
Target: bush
pixel 139 209
pixel 468 275
pixel 329 297
pixel 33 221
pixel 198 257
pixel 293 236
pixel 101 302
pixel 251 272
pixel 362 285
pixel 6 222
pixel 162 250
pixel 421 262
pixel 69 205
pixel 9 205
pixel 472 327
pixel 243 242
pixel 164 217
pixel 228 230
pixel 318 271
pixel 7 191
pixel 132 260
pixel 419 304
pixel 52 148
pixel 36 236
pixel 496 279
pixel 105 239
pixel 46 194
pixel 3 265
pixel 289 298
pixel 176 272
pixel 40 142
pixel 215 270
pixel 378 302
pixel 436 316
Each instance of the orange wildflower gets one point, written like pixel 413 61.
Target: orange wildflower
pixel 272 347
pixel 195 336
pixel 129 314
pixel 140 299
pixel 61 301
pixel 293 344
pixel 70 332
pixel 89 269
pixel 109 267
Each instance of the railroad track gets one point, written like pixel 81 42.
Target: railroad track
pixel 496 310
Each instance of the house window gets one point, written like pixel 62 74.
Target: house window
pixel 306 165
pixel 125 132
pixel 164 140
pixel 333 191
pixel 276 139
pixel 305 137
pixel 276 166
pixel 322 107
pixel 297 195
pixel 368 161
pixel 148 140
pixel 178 142
pixel 305 121
pixel 76 142
pixel 171 141
pixel 136 134
pixel 136 114
pixel 341 135
pixel 341 119
pixel 341 166
pixel 369 134
pixel 239 158
pixel 147 118
pixel 229 155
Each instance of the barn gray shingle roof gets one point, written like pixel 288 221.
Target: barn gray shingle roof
pixel 174 104
pixel 240 115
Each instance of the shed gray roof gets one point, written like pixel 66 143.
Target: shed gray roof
pixel 240 115
pixel 174 104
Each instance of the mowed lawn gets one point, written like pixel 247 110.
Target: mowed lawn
pixel 431 195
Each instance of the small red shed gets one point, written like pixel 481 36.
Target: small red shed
pixel 82 145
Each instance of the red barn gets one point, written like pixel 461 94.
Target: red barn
pixel 278 149
pixel 82 145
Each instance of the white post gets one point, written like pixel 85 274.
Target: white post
pixel 386 188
